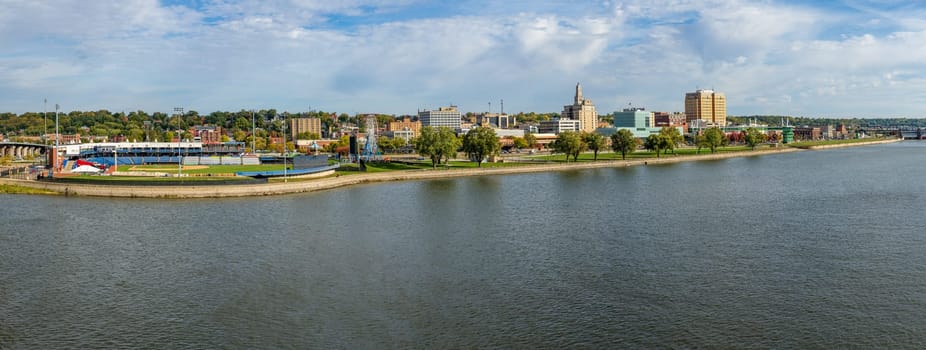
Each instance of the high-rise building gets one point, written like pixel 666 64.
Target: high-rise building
pixel 443 116
pixel 706 105
pixel 583 110
pixel 304 125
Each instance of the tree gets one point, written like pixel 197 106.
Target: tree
pixel 480 142
pixel 436 143
pixel 595 142
pixel 753 137
pixel 623 142
pixel 711 138
pixel 520 143
pixel 530 139
pixel 398 142
pixel 670 138
pixel 654 142
pixel 243 123
pixel 698 141
pixel 569 143
pixel 308 135
pixel 239 135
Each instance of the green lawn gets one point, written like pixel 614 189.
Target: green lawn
pixel 212 169
pixel 98 178
pixel 350 168
pixel 641 154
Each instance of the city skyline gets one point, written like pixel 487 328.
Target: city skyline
pixel 836 59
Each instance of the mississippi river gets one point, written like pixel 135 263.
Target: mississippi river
pixel 817 249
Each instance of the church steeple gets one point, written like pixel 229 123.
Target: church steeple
pixel 578 93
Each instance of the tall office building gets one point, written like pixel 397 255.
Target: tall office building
pixel 583 110
pixel 443 116
pixel 706 105
pixel 303 125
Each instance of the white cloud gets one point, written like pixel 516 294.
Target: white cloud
pixel 769 58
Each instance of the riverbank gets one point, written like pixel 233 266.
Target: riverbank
pixel 194 191
pixel 853 144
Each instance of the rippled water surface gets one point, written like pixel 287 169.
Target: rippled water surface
pixel 823 249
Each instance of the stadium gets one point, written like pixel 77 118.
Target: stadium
pixel 109 156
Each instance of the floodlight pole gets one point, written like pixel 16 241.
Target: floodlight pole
pixel 284 148
pixel 253 134
pixel 45 122
pixel 179 111
pixel 54 166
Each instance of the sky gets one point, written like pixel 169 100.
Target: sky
pixel 850 58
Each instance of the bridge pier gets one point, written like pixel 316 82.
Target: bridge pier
pixel 21 150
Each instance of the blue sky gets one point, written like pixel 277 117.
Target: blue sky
pixel 826 59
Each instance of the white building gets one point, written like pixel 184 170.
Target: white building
pixel 557 126
pixel 443 116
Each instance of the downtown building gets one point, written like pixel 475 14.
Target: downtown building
pixel 707 106
pixel 582 110
pixel 304 125
pixel 444 116
pixel 557 126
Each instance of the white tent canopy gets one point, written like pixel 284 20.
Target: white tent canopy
pixel 87 169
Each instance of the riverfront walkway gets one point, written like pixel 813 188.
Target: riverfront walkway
pixel 194 191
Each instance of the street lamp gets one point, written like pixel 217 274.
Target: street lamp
pixel 179 112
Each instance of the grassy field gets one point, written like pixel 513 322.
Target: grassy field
pixel 348 169
pixel 97 178
pixel 588 157
pixel 203 169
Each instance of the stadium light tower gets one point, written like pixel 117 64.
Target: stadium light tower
pixel 45 122
pixel 179 112
pixel 54 166
pixel 284 148
pixel 253 134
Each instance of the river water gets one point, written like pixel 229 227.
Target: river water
pixel 818 249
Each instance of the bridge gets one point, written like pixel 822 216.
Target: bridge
pixel 908 132
pixel 21 149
